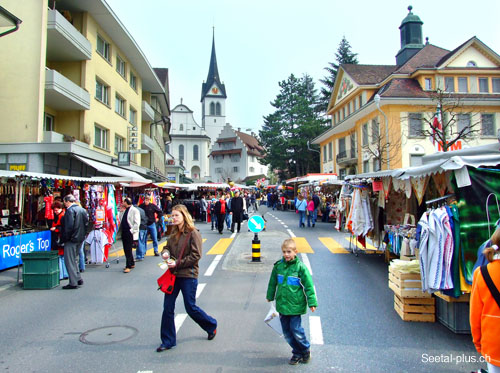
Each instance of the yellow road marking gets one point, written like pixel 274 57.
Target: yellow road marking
pixel 220 247
pixel 369 246
pixel 333 245
pixel 302 245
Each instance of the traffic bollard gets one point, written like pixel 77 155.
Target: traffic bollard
pixel 256 248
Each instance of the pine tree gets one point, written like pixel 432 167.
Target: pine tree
pixel 344 55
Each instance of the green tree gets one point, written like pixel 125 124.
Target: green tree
pixel 344 55
pixel 285 132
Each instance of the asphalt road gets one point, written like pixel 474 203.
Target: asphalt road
pixel 111 324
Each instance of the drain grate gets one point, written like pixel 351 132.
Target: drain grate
pixel 107 335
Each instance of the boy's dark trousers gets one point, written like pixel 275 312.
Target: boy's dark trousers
pixel 294 334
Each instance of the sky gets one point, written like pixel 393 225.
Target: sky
pixel 261 43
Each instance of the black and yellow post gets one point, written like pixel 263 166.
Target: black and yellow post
pixel 256 248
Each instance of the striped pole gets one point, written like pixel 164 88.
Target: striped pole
pixel 256 248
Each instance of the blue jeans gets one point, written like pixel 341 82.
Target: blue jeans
pixel 314 216
pixel 81 263
pixel 142 244
pixel 63 273
pixel 152 232
pixel 188 288
pixel 229 218
pixel 309 218
pixel 294 334
pixel 302 218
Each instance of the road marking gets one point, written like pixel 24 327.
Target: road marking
pixel 302 245
pixel 199 289
pixel 179 319
pixel 333 245
pixel 315 331
pixel 220 247
pixel 305 260
pixel 369 246
pixel 290 233
pixel 285 226
pixel 213 265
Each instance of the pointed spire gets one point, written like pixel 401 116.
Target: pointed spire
pixel 213 73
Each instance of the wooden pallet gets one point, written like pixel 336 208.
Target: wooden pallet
pixel 415 309
pixel 406 285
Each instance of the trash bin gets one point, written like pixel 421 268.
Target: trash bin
pixel 40 269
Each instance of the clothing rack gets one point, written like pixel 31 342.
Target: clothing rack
pixel 439 199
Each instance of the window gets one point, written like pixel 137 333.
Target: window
pixel 428 84
pixel 103 48
pixel 48 122
pixel 181 127
pixel 120 105
pixel 375 131
pixel 218 109
pixel 483 85
pixel 360 101
pixel 364 132
pixel 212 108
pixel 133 81
pixel 120 66
pixel 366 166
pixel 462 85
pixel 449 84
pixel 355 102
pixel 167 148
pixel 133 116
pixel 342 173
pixel 218 170
pixel 495 85
pixel 195 152
pixel 251 169
pixel 348 109
pixel 235 157
pixel 343 112
pixel 101 137
pixel 181 152
pixel 235 169
pixel 119 144
pixel 342 148
pixel 463 122
pixel 101 92
pixel 219 158
pixel 415 124
pixel 330 151
pixel 353 145
pixel 324 153
pixel 376 165
pixel 471 64
pixel 487 125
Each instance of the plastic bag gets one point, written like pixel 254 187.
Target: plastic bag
pixel 272 319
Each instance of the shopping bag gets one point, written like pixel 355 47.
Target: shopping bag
pixel 272 319
pixel 166 282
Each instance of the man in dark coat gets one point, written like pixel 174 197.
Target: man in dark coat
pixel 237 210
pixel 317 203
pixel 220 211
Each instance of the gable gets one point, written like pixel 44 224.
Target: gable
pixel 344 85
pixel 473 50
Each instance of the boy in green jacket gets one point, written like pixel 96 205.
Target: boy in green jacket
pixel 292 286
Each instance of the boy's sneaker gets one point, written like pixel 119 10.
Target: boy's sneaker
pixel 295 360
pixel 306 357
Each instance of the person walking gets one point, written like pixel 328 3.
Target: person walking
pixel 485 306
pixel 237 206
pixel 130 221
pixel 317 205
pixel 220 211
pixel 203 207
pixel 213 215
pixel 73 231
pixel 142 245
pixel 185 247
pixel 292 286
pixel 301 205
pixel 310 211
pixel 151 210
pixel 229 214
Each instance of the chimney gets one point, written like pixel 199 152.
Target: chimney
pixel 239 129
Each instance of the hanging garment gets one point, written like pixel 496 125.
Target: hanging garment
pixel 423 244
pixel 97 239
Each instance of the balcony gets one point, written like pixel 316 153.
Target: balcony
pixel 147 142
pixel 64 41
pixel 175 162
pixel 148 113
pixel 62 94
pixel 347 157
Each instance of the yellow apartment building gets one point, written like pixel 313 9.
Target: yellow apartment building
pixel 375 105
pixel 77 92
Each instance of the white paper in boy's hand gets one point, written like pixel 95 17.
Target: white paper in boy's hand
pixel 273 320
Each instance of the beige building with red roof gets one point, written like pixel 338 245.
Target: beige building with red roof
pixel 469 77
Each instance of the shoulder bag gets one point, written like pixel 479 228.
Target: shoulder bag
pixel 166 281
pixel 489 282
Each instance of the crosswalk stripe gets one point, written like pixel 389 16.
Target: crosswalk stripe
pixel 302 245
pixel 369 246
pixel 307 263
pixel 199 289
pixel 333 245
pixel 179 319
pixel 213 265
pixel 315 330
pixel 220 247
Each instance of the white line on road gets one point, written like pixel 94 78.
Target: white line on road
pixel 233 235
pixel 291 233
pixel 315 331
pixel 305 260
pixel 179 319
pixel 212 266
pixel 200 289
pixel 285 226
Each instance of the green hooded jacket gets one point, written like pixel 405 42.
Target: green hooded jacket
pixel 292 286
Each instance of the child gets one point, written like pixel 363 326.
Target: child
pixel 292 286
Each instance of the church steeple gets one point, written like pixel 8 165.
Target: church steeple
pixel 213 78
pixel 411 37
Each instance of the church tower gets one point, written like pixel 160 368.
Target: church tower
pixel 213 99
pixel 411 37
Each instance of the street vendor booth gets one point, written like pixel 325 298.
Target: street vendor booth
pixel 438 215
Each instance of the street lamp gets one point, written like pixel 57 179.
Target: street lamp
pixel 377 102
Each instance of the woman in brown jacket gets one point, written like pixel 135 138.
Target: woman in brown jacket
pixel 184 247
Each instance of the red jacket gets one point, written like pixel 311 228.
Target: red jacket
pixel 485 314
pixel 57 232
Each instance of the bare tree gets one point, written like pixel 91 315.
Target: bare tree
pixel 375 144
pixel 449 122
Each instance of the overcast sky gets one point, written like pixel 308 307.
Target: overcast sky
pixel 260 43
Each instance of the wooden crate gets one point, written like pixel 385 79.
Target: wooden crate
pixel 415 309
pixel 406 285
pixel 464 298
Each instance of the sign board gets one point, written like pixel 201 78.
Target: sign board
pixel 139 151
pixel 256 223
pixel 17 167
pixel 123 158
pixel 12 246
